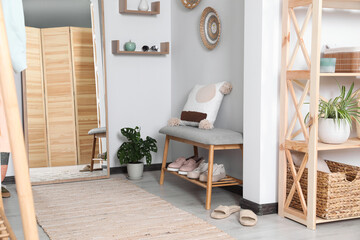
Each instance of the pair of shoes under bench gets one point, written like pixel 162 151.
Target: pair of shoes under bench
pixel 183 165
pixel 218 173
pixel 190 165
pixel 195 174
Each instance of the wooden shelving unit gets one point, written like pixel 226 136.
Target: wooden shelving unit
pixel 228 181
pixel 309 81
pixel 164 49
pixel 155 9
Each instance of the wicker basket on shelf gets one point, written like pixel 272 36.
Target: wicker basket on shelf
pixel 347 59
pixel 338 192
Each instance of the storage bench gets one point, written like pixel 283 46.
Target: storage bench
pixel 215 139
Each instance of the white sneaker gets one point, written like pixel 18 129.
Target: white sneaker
pixel 218 173
pixel 195 174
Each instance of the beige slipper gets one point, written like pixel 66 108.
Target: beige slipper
pixel 248 218
pixel 222 212
pixel 85 169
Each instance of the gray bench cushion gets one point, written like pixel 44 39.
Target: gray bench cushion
pixel 97 130
pixel 215 136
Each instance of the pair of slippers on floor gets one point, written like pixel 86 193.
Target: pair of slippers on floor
pixel 247 217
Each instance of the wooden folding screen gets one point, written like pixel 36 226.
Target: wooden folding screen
pixel 59 96
pixel 33 91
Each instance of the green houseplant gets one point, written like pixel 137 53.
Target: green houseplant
pixel 336 115
pixel 134 150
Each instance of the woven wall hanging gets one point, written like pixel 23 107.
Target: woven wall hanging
pixel 190 3
pixel 210 28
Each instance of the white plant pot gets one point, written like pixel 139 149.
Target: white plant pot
pixel 135 170
pixel 331 132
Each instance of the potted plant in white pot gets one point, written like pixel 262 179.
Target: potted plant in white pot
pixel 134 150
pixel 335 116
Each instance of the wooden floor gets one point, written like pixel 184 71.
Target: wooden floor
pixel 191 198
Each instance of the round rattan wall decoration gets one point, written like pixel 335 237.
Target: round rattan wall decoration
pixel 190 3
pixel 210 28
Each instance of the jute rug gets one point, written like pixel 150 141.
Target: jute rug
pixel 114 209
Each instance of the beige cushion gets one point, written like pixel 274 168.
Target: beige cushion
pixel 214 136
pixel 97 130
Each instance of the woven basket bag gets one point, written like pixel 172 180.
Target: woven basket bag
pixel 338 192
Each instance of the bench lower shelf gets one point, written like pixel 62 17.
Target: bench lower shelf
pixel 225 182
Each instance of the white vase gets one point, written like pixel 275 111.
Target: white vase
pixel 332 132
pixel 143 6
pixel 135 170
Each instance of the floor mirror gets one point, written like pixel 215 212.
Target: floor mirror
pixel 64 91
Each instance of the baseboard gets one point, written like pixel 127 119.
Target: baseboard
pixel 259 209
pixel 234 189
pixel 9 180
pixel 152 167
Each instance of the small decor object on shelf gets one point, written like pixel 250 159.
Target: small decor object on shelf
pixel 130 46
pixel 348 58
pixel 335 116
pixel 210 28
pixel 327 65
pixel 145 48
pixel 154 48
pixel 134 150
pixel 190 3
pixel 143 6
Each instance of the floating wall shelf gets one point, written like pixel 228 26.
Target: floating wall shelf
pixel 155 9
pixel 164 49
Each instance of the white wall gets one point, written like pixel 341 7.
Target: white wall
pixel 261 77
pixel 138 87
pixel 193 64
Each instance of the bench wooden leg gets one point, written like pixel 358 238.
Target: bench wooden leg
pixel 209 179
pixel 93 154
pixel 196 151
pixel 163 165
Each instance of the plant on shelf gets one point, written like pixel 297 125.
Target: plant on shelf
pixel 134 150
pixel 336 115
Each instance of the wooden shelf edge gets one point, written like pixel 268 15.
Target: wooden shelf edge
pixel 299 217
pixel 155 9
pixel 321 220
pixel 164 49
pixel 305 74
pixel 301 146
pixel 336 4
pixel 337 74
